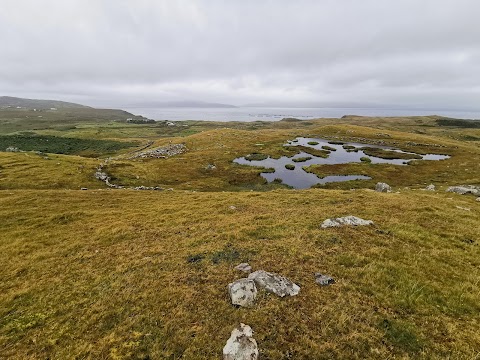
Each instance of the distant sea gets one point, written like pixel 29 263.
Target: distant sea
pixel 275 114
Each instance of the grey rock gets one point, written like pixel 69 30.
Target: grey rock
pixel 478 199
pixel 210 167
pixel 161 152
pixel 274 283
pixel 346 221
pixel 83 188
pixel 241 345
pixel 243 292
pixel 430 187
pixel 382 187
pixel 100 175
pixel 245 267
pixel 323 280
pixel 465 189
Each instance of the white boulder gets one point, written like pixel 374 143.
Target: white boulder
pixel 241 345
pixel 345 221
pixel 274 283
pixel 383 187
pixel 243 292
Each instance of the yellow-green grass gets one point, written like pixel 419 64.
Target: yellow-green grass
pixel 106 274
pixel 220 147
pixel 29 170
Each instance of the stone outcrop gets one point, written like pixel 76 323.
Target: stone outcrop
pixel 243 292
pixel 345 221
pixel 241 345
pixel 465 189
pixel 382 187
pixel 274 283
pixel 161 152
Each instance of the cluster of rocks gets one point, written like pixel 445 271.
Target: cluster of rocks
pixel 147 188
pixel 161 152
pixel 465 189
pixel 244 291
pixel 12 149
pixel 241 345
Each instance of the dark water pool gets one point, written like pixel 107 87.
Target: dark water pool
pixel 300 179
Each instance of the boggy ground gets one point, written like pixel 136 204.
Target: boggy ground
pixel 126 274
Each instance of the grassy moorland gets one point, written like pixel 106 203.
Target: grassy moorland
pixel 124 274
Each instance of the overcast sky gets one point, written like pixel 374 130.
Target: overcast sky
pixel 402 53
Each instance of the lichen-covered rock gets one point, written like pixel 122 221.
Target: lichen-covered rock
pixel 323 280
pixel 382 187
pixel 241 345
pixel 243 292
pixel 274 283
pixel 245 267
pixel 430 187
pixel 465 189
pixel 346 221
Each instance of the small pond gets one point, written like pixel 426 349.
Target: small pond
pixel 334 153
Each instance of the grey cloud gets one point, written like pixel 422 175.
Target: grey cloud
pixel 116 51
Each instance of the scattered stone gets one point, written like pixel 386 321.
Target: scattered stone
pixel 346 221
pixel 323 280
pixel 430 187
pixel 157 188
pixel 241 345
pixel 12 149
pixel 243 292
pixel 232 207
pixel 245 267
pixel 478 199
pixel 161 152
pixel 465 189
pixel 100 175
pixel 382 187
pixel 210 167
pixel 383 135
pixel 83 188
pixel 463 208
pixel 274 283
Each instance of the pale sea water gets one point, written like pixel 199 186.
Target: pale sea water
pixel 275 114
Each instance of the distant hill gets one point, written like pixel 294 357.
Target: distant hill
pixel 38 104
pixel 188 104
